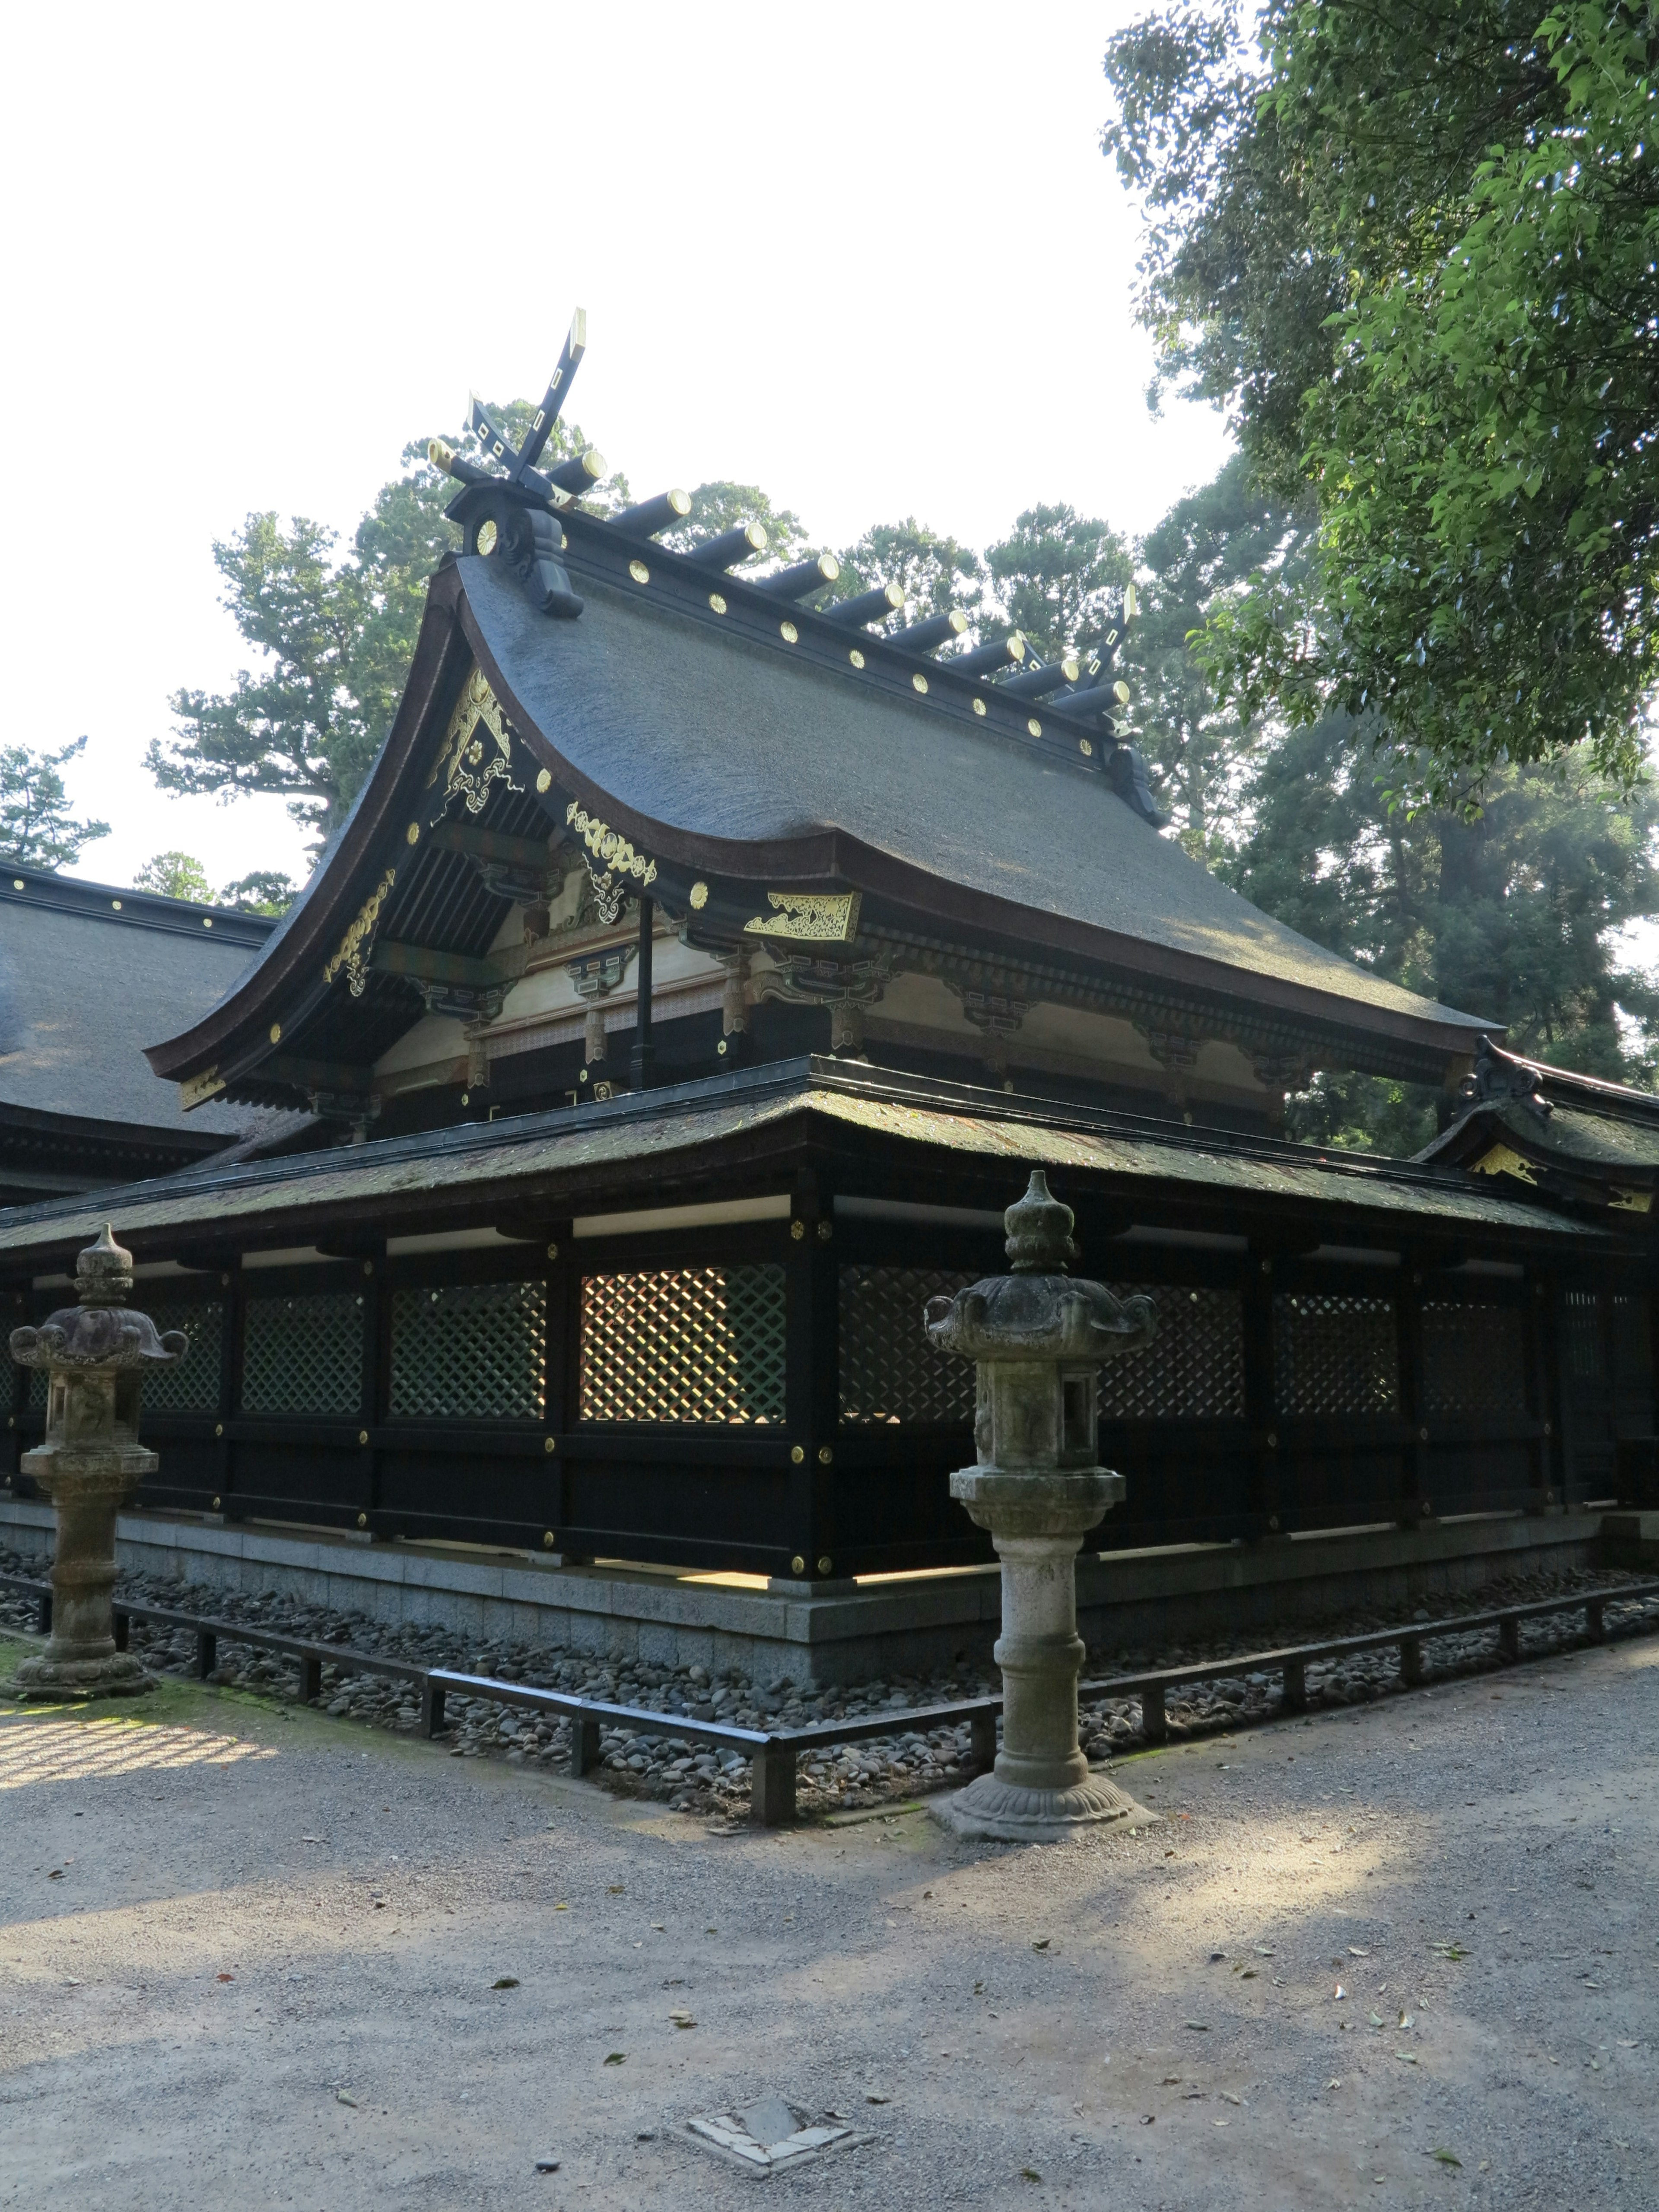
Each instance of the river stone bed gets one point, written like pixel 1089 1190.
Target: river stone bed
pixel 704 1779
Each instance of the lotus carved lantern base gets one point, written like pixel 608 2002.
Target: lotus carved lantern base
pixel 1038 1337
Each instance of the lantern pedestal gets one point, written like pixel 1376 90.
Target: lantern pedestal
pixel 1040 1788
pixel 1038 1337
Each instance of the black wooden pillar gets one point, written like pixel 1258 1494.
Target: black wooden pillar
pixel 1416 1499
pixel 644 1051
pixel 812 1379
pixel 1546 1343
pixel 559 1404
pixel 1265 1513
pixel 233 1285
pixel 376 1392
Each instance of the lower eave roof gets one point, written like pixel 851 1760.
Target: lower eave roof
pixel 411 1183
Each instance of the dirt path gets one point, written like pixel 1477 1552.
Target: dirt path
pixel 221 1916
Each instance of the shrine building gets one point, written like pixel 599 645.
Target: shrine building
pixel 705 961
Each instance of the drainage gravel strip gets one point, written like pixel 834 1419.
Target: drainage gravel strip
pixel 700 1778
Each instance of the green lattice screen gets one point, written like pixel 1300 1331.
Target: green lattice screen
pixel 701 1344
pixel 303 1354
pixel 191 1386
pixel 469 1351
pixel 889 1373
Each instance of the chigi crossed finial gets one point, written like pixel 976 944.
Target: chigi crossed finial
pixel 516 513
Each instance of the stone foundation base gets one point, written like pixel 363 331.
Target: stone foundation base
pixel 996 1809
pixel 119 1675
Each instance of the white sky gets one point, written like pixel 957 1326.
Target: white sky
pixel 869 256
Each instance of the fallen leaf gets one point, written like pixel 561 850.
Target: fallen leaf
pixel 979 1987
pixel 1354 1952
pixel 562 1908
pixel 505 1982
pixel 1335 2082
pixel 1199 2026
pixel 1029 2173
pixel 1228 2097
pixel 1263 1951
pixel 682 2019
pixel 1042 1945
pixel 615 2057
pixel 877 2097
pixel 1376 2020
pixel 227 1977
pixel 1409 2056
pixel 1448 2158
pixel 341 2097
pixel 1170 2082
pixel 1406 2019
pixel 618 1889
pixel 659 1926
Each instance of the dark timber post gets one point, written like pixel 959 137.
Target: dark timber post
pixel 376 1390
pixel 1414 1507
pixel 812 1398
pixel 644 1052
pixel 1545 1345
pixel 234 1283
pixel 1264 1510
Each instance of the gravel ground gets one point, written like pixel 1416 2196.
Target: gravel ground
pixel 1401 1955
pixel 691 1776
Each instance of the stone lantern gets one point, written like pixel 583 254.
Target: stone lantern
pixel 88 1464
pixel 1038 1338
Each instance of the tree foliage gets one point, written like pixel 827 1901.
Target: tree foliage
pixel 175 874
pixel 1058 577
pixel 37 827
pixel 1412 248
pixel 334 637
pixel 936 573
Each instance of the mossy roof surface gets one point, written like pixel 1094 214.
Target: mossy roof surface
pixel 397 1178
pixel 1588 1139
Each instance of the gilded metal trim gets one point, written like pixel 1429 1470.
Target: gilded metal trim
pixel 1500 1160
pixel 831 916
pixel 197 1090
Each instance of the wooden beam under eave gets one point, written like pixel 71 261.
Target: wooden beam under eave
pixel 314 1074
pixel 419 961
pixel 489 844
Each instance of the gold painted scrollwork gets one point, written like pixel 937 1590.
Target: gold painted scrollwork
pixel 465 761
pixel 353 953
pixel 610 860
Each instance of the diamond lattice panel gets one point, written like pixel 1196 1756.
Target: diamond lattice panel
pixel 1194 1368
pixel 1334 1353
pixel 889 1373
pixel 469 1351
pixel 303 1354
pixel 1474 1359
pixel 684 1344
pixel 193 1385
